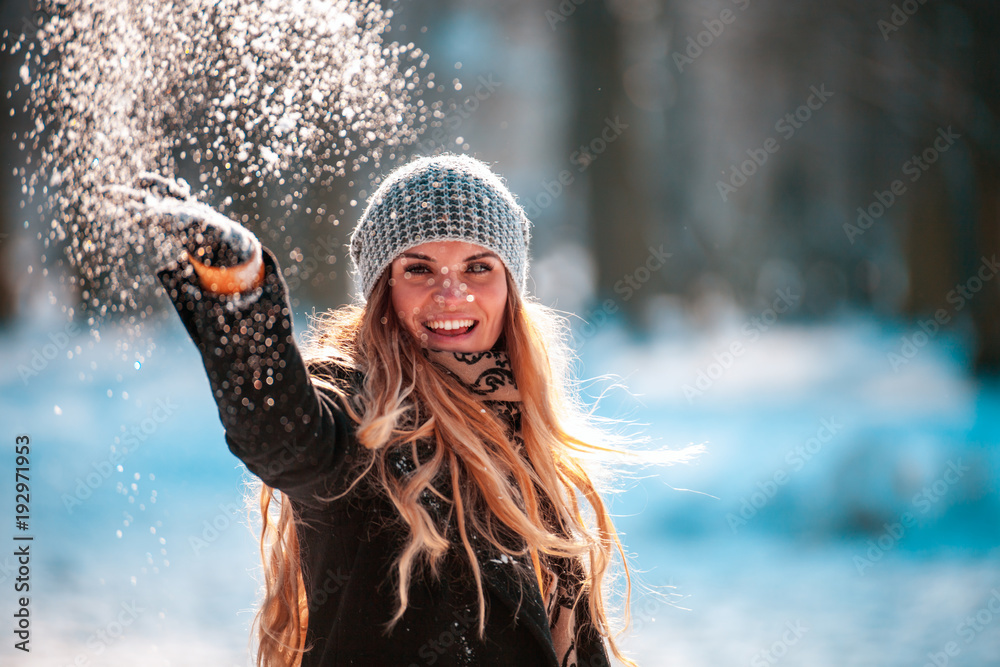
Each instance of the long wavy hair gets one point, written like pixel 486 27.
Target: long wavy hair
pixel 543 493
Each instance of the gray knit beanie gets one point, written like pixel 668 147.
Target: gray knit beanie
pixel 442 198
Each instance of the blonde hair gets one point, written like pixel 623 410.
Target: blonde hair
pixel 498 490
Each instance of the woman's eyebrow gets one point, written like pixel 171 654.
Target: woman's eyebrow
pixel 417 255
pixel 480 256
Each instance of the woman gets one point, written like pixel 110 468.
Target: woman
pixel 432 492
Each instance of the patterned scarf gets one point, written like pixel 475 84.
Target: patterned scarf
pixel 489 376
pixel 485 374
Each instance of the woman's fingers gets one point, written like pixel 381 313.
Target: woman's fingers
pixel 162 186
pixel 134 200
pixel 123 190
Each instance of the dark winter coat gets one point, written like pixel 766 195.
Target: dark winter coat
pixel 297 439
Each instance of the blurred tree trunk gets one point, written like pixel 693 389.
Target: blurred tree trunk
pixel 986 312
pixel 617 210
pixel 985 21
pixel 10 212
pixel 933 252
pixel 954 222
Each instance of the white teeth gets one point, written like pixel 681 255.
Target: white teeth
pixel 448 325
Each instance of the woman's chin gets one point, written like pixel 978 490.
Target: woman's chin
pixel 451 345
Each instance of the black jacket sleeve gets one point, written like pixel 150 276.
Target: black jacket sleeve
pixel 293 436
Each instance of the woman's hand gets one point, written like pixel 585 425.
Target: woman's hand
pixel 225 254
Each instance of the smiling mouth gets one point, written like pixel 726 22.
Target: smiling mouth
pixel 450 327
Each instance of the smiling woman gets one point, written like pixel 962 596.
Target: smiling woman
pixel 424 451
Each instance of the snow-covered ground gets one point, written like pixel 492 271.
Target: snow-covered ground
pixel 844 512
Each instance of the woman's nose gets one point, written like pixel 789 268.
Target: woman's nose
pixel 449 288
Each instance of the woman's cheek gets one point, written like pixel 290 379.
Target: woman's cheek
pixel 497 299
pixel 402 304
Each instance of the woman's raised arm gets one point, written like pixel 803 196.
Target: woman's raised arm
pixel 234 304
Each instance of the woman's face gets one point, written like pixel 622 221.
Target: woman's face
pixel 450 295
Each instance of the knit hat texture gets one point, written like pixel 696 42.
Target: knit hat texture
pixel 441 198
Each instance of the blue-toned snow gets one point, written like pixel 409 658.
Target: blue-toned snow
pixel 857 547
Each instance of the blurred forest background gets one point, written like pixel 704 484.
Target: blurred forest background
pixel 778 222
pixel 645 108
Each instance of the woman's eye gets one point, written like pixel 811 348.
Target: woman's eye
pixel 416 269
pixel 479 267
